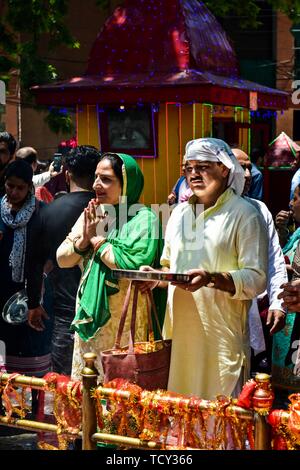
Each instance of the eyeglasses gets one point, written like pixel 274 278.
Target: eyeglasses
pixel 246 166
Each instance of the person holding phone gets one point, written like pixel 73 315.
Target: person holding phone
pixel 286 342
pixel 29 155
pixel 287 225
pixel 57 162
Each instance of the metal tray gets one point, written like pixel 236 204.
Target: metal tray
pixel 150 275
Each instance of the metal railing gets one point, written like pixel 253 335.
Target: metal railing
pixel 90 435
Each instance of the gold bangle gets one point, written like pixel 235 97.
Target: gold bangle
pixel 98 244
pixel 79 252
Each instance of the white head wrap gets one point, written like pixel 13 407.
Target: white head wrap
pixel 216 150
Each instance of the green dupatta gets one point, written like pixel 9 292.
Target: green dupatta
pixel 134 244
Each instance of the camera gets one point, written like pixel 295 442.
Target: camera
pixel 57 161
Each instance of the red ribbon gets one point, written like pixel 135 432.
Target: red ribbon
pixel 246 395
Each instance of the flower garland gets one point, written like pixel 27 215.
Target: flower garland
pixel 114 416
pixel 8 393
pixel 66 408
pixel 286 425
pixel 173 421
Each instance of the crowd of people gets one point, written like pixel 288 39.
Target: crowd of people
pixel 60 247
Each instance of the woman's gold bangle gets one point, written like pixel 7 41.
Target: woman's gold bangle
pixel 98 244
pixel 80 252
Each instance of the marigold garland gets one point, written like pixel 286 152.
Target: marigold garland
pixel 8 393
pixel 66 408
pixel 286 425
pixel 172 420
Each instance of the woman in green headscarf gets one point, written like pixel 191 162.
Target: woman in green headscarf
pixel 113 232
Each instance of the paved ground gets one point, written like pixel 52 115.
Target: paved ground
pixel 24 441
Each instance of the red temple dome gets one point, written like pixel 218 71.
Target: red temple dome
pixel 161 50
pixel 161 36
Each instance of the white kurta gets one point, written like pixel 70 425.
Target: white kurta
pixel 41 179
pixel 277 275
pixel 209 327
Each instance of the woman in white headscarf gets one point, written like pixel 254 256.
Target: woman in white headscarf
pixel 221 241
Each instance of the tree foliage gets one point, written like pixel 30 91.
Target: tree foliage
pixel 59 120
pixel 24 24
pixel 248 10
pixel 290 7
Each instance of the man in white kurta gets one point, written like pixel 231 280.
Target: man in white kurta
pixel 207 317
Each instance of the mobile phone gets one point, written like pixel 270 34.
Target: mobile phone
pixel 57 161
pixel 291 222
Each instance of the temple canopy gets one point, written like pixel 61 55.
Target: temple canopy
pixel 161 50
pixel 162 36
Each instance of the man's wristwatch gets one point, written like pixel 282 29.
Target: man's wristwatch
pixel 212 280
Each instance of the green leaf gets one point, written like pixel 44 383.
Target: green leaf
pixel 60 120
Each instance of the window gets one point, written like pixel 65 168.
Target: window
pixel 224 129
pixel 128 129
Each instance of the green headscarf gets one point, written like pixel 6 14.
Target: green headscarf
pixel 133 179
pixel 133 243
pixel 289 248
